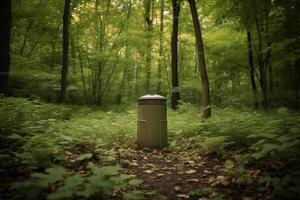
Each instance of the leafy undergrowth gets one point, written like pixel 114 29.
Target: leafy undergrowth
pixel 63 152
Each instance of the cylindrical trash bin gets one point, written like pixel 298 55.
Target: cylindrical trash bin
pixel 152 122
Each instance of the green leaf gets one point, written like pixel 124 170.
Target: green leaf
pixel 265 150
pixel 15 137
pixel 244 180
pixel 107 171
pixel 134 195
pixel 135 182
pixel 85 156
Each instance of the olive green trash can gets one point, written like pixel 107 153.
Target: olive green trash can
pixel 152 122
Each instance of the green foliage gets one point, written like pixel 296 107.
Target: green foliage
pixel 134 195
pixel 214 144
pixel 287 187
pixel 56 184
pixel 20 115
pixel 42 135
pixel 84 156
pixel 39 183
pixel 278 145
pixel 203 192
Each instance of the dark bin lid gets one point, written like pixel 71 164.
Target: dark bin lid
pixel 152 99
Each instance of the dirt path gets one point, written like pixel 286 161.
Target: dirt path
pixel 177 177
pixel 180 176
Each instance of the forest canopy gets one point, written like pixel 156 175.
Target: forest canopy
pixel 119 50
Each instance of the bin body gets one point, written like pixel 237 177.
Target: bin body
pixel 152 122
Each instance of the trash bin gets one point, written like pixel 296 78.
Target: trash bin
pixel 152 122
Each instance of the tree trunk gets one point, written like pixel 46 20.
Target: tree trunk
pixel 123 89
pixel 125 82
pixel 161 31
pixel 174 56
pixel 201 61
pixel 149 26
pixel 267 59
pixel 262 67
pixel 297 83
pixel 64 71
pixel 30 24
pixel 82 75
pixel 251 67
pixel 5 24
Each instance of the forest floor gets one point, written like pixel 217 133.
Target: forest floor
pixel 184 177
pixel 166 175
pixel 238 155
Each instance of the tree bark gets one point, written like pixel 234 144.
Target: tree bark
pixel 297 83
pixel 149 26
pixel 262 67
pixel 64 71
pixel 5 24
pixel 201 60
pixel 82 75
pixel 251 67
pixel 161 31
pixel 174 54
pixel 30 24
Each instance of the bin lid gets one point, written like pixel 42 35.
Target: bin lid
pixel 152 99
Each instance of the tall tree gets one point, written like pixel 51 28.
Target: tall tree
pixel 174 57
pixel 252 70
pixel 148 17
pixel 65 62
pixel 5 24
pixel 161 46
pixel 201 61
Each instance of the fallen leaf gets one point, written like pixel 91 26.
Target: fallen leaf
pixel 177 188
pixel 211 179
pixel 150 165
pixel 148 171
pixel 134 163
pixel 193 180
pixel 183 196
pixel 223 180
pixel 247 198
pixel 155 151
pixel 190 171
pixel 189 162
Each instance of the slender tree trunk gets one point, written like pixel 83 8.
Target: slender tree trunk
pixel 174 56
pixel 124 84
pixel 201 60
pixel 297 83
pixel 64 71
pixel 73 54
pixel 30 23
pixel 149 26
pixel 5 24
pixel 161 46
pixel 52 55
pixel 267 60
pixel 32 49
pixel 136 79
pixel 251 67
pixel 82 75
pixel 262 67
